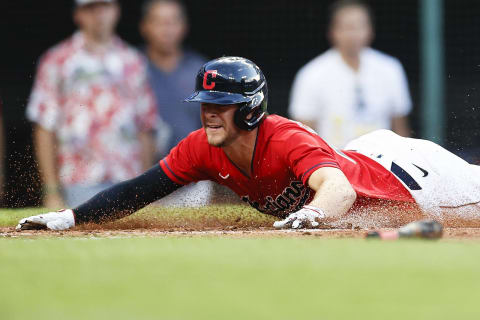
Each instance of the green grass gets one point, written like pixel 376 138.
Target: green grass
pixel 10 217
pixel 155 216
pixel 226 278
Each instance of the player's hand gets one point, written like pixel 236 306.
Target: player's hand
pixel 59 220
pixel 304 218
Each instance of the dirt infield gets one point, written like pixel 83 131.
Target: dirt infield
pixel 241 222
pixel 449 233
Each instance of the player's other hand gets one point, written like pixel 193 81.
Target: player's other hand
pixel 307 217
pixel 59 220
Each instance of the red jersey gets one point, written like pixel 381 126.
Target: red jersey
pixel 286 153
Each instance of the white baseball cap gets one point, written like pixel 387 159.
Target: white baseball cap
pixel 79 3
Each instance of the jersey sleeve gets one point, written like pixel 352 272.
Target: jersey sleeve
pixel 186 162
pixel 305 153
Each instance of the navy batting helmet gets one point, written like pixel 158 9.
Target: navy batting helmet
pixel 234 80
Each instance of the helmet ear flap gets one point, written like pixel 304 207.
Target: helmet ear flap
pixel 254 109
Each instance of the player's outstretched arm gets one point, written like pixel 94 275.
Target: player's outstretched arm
pixel 334 196
pixel 333 192
pixel 116 202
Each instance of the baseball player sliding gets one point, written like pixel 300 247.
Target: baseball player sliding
pixel 281 167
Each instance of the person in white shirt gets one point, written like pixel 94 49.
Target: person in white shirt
pixel 351 89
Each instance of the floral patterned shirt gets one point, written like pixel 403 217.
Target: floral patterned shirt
pixel 96 104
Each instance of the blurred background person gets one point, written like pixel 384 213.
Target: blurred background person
pixel 93 110
pixel 164 26
pixel 172 69
pixel 351 89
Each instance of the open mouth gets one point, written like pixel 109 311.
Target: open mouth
pixel 213 126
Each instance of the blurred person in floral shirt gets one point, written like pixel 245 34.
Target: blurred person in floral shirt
pixel 93 110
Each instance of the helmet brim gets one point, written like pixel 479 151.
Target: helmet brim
pixel 217 97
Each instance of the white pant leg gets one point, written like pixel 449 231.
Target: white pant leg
pixel 446 180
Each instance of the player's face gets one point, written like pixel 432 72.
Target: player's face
pixel 351 30
pixel 164 27
pixel 218 123
pixel 97 19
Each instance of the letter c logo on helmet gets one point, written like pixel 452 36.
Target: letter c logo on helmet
pixel 211 85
